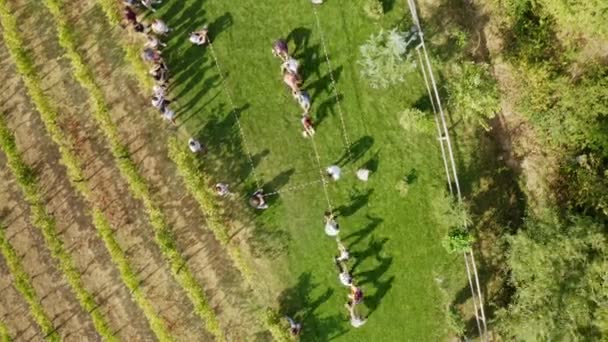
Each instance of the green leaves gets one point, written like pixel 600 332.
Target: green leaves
pixel 383 59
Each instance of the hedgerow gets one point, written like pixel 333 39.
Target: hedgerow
pixel 39 216
pixel 137 184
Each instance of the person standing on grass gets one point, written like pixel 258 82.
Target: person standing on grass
pixel 280 49
pixel 257 200
pixel 331 227
pixel 195 146
pixel 344 276
pixel 317 2
pixel 148 4
pixel 168 114
pixel 334 172
pixel 159 90
pixel 294 328
pixel 292 81
pixel 150 55
pixel 303 100
pixel 344 255
pixel 200 37
pixel 355 295
pixel 356 320
pixel 290 65
pixel 130 16
pixel 159 27
pixel 153 43
pixel 159 102
pixel 306 121
pixel 221 189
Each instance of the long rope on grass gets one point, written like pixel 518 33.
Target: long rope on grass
pixel 293 188
pixel 236 117
pixel 443 135
pixel 333 83
pixel 323 180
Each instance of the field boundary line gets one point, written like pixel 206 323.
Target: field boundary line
pixel 450 164
pixel 137 183
pixel 191 174
pixel 39 215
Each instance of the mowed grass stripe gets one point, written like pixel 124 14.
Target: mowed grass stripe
pixel 129 171
pixel 39 216
pixel 21 279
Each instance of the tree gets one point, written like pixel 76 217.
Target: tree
pixel 384 61
pixel 559 270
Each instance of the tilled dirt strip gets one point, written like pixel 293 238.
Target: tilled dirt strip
pixel 146 136
pixel 111 192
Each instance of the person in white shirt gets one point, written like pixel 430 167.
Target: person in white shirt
pixel 303 100
pixel 317 2
pixel 257 200
pixel 222 189
pixel 345 278
pixel 291 65
pixel 169 115
pixel 294 328
pixel 334 172
pixel 194 145
pixel 200 37
pixel 344 255
pixel 355 319
pixel 159 90
pixel 363 174
pixel 153 43
pixel 159 27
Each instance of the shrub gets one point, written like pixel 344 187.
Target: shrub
pixel 458 240
pixel 374 9
pixel 384 60
pixel 414 120
pixel 472 93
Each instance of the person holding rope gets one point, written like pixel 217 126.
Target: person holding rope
pixel 159 27
pixel 294 328
pixel 130 16
pixel 344 254
pixel 169 115
pixel 292 82
pixel 355 295
pixel 334 172
pixel 195 146
pixel 356 320
pixel 303 100
pixel 344 276
pixel 290 65
pixel 221 189
pixel 331 225
pixel 153 43
pixel 309 130
pixel 280 49
pixel 148 4
pixel 257 200
pixel 200 37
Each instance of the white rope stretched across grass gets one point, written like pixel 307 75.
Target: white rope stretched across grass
pixel 333 83
pixel 238 121
pixel 323 180
pixel 293 188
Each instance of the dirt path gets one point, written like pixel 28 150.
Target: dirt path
pixel 146 136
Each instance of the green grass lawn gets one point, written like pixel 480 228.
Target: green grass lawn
pixel 393 236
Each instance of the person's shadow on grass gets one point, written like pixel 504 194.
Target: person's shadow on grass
pixel 358 201
pixel 298 303
pixel 354 238
pixel 357 150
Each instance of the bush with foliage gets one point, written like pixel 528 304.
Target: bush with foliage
pixel 384 59
pixel 472 93
pixel 373 8
pixel 559 271
pixel 575 17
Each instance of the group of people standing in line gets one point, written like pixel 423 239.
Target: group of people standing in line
pixel 152 54
pixel 293 81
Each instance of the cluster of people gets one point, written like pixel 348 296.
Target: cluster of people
pixel 152 54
